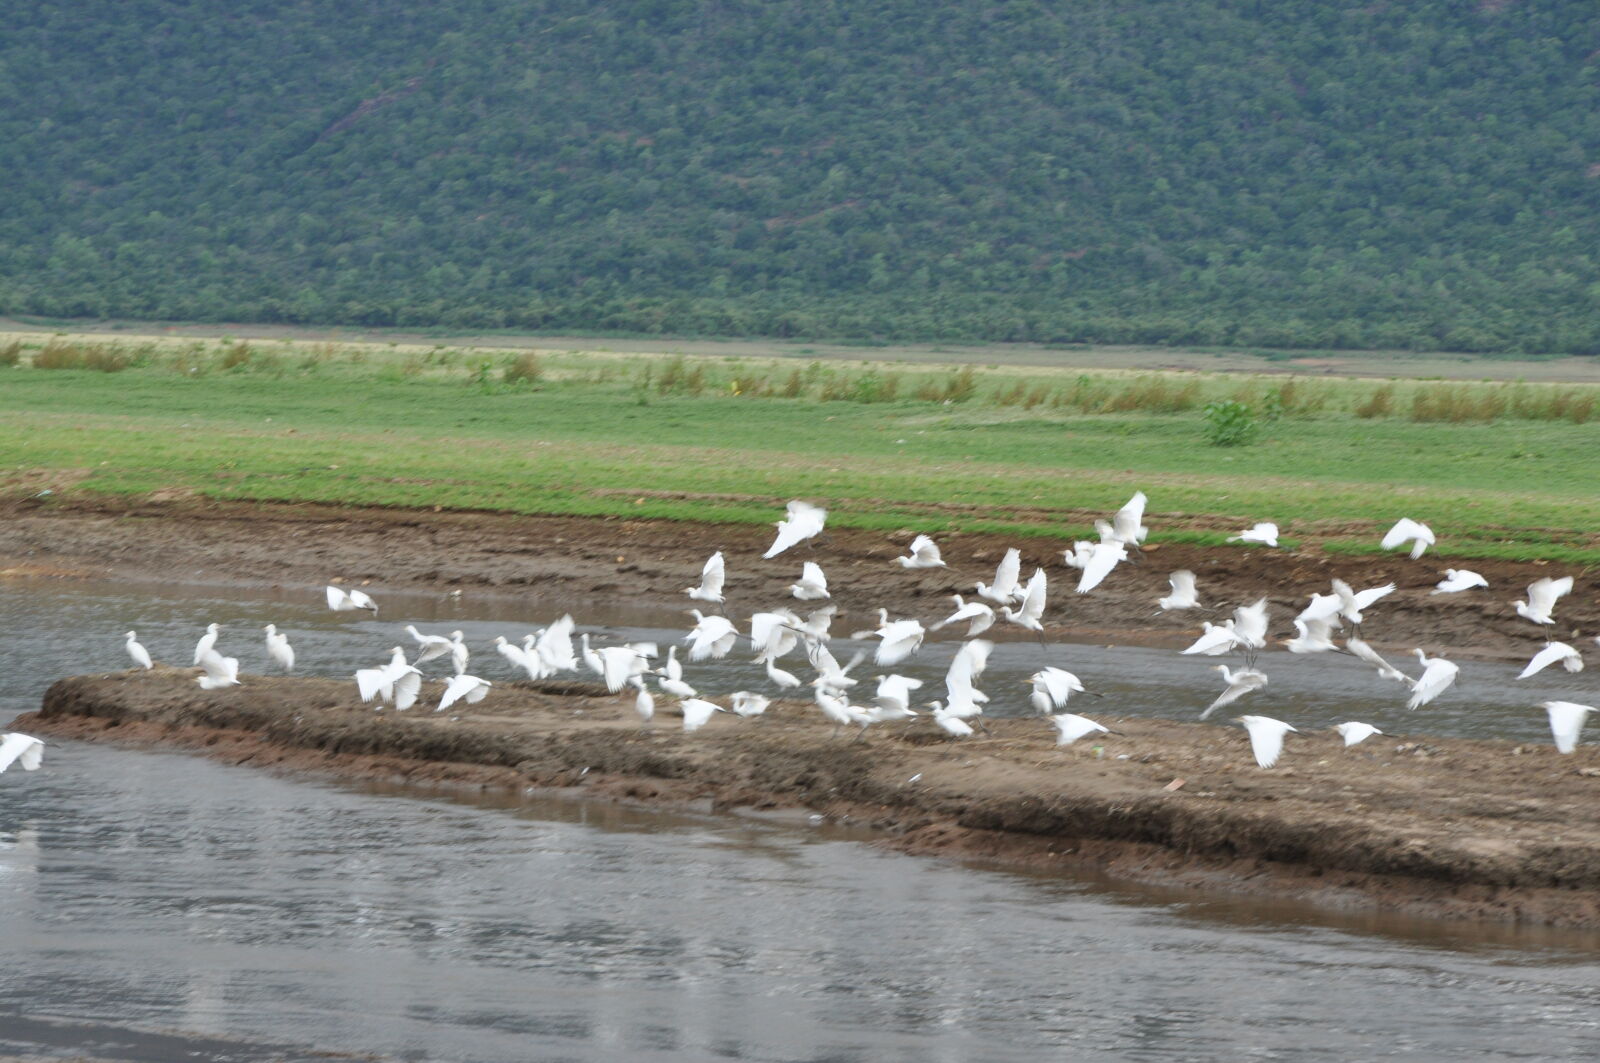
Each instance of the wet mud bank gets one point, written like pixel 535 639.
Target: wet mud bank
pixel 1443 828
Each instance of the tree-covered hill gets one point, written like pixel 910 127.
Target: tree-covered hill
pixel 1284 172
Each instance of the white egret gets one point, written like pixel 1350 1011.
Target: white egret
pixel 836 709
pixel 1250 625
pixel 1070 727
pixel 1127 527
pixel 278 648
pixel 1102 559
pixel 1354 733
pixel 696 713
pixel 220 671
pixel 590 657
pixel 676 688
pixel 817 623
pixel 803 522
pixel 1351 602
pixel 1406 530
pixel 784 680
pixel 554 646
pixel 18 748
pixel 1437 675
pixel 980 617
pixel 1265 533
pixel 1052 687
pixel 1006 575
pixel 515 656
pixel 1321 607
pixel 894 691
pixel 342 601
pixel 643 703
pixel 1457 580
pixel 711 580
pixel 1240 683
pixel 747 704
pixel 1370 655
pixel 618 664
pixel 459 654
pixel 140 655
pixel 1080 555
pixel 207 641
pixel 711 636
pixel 812 585
pixel 898 639
pixel 1566 720
pixel 1316 636
pixel 830 675
pixel 1184 595
pixel 954 726
pixel 428 646
pixel 1553 652
pixel 1214 639
pixel 1266 737
pixel 1542 597
pixel 773 634
pixel 924 554
pixel 463 687
pixel 397 681
pixel 1030 614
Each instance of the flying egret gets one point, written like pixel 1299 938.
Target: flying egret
pixel 773 634
pixel 1553 652
pixel 1070 727
pixel 1030 614
pixel 980 617
pixel 140 655
pixel 711 636
pixel 463 687
pixel 278 648
pixel 1250 625
pixel 1437 674
pixel 812 585
pixel 1354 733
pixel 220 671
pixel 953 726
pixel 1240 683
pixel 696 713
pixel 18 748
pixel 1370 655
pixel 618 664
pixel 817 623
pixel 342 601
pixel 1316 636
pixel 397 681
pixel 898 639
pixel 207 641
pixel 1080 555
pixel 1183 594
pixel 1542 597
pixel 1104 557
pixel 894 691
pixel 1265 533
pixel 428 646
pixel 1351 602
pixel 1266 737
pixel 1052 687
pixel 1214 639
pixel 830 675
pixel 1127 526
pixel 1459 579
pixel 554 646
pixel 1566 720
pixel 1406 530
pixel 924 554
pixel 711 579
pixel 747 704
pixel 803 522
pixel 1006 575
pixel 1321 607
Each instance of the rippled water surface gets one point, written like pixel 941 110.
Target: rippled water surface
pixel 158 906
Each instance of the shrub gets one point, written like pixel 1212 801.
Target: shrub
pixel 11 354
pixel 523 369
pixel 1229 423
pixel 1379 404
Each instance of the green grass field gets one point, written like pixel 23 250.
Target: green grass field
pixel 1499 470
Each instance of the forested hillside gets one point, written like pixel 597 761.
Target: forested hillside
pixel 1285 172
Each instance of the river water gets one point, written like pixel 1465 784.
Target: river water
pixel 159 906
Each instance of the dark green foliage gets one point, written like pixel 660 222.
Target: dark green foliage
pixel 1220 172
pixel 1229 424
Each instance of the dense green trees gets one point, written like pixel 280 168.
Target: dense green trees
pixel 1286 173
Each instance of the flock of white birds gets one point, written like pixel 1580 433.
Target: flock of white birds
pixel 776 634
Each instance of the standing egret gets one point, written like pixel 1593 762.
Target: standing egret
pixel 643 703
pixel 954 726
pixel 1266 737
pixel 803 522
pixel 1355 733
pixel 1265 533
pixel 459 654
pixel 1240 683
pixel 711 580
pixel 812 585
pixel 342 601
pixel 1553 652
pixel 140 655
pixel 278 648
pixel 981 617
pixel 1070 727
pixel 1406 530
pixel 1542 597
pixel 676 688
pixel 924 554
pixel 468 687
pixel 1437 674
pixel 1459 579
pixel 1183 594
pixel 515 655
pixel 784 680
pixel 697 712
pixel 1566 720
pixel 207 641
pixel 18 748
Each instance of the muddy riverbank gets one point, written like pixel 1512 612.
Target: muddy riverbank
pixel 1446 828
pixel 618 561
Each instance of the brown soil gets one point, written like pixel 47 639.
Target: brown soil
pixel 619 561
pixel 1448 828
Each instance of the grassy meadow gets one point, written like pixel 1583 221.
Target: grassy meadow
pixel 1498 469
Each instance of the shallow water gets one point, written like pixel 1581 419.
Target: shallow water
pixel 160 906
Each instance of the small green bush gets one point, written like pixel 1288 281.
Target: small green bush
pixel 1229 424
